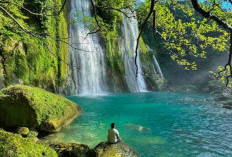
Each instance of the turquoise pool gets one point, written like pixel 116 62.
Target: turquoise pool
pixel 155 124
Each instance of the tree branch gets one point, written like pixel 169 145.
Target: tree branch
pixel 154 23
pixel 95 14
pixel 226 26
pixel 29 11
pixel 62 7
pixel 119 10
pixel 39 37
pixel 140 33
pixel 8 14
pixel 206 14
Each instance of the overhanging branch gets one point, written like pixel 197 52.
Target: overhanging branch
pixel 140 33
pixel 208 14
pixel 226 26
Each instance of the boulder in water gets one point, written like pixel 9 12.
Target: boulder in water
pixel 227 105
pixel 35 108
pixel 105 149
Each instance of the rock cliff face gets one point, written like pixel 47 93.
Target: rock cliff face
pixel 35 108
pixel 48 61
pixel 36 60
pixel 110 67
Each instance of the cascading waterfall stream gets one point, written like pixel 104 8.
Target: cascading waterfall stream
pixel 87 58
pixel 156 66
pixel 129 28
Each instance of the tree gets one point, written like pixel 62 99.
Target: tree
pixel 214 11
pixel 186 34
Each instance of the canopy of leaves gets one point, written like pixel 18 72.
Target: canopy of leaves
pixel 185 33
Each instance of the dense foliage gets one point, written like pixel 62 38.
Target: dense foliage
pixel 109 24
pixel 185 34
pixel 28 42
pixel 34 45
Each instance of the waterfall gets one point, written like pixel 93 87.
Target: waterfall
pixel 129 28
pixel 87 58
pixel 156 66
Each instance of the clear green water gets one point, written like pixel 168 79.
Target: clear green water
pixel 155 124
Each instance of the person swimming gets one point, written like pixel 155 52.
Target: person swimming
pixel 113 135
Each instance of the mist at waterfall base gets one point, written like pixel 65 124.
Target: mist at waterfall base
pixel 155 124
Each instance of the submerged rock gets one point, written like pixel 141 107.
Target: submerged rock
pixel 72 150
pixel 35 108
pixel 105 149
pixel 138 128
pixel 216 86
pixel 227 104
pixel 224 99
pixel 15 145
pixel 183 89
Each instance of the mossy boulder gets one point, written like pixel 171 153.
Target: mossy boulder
pixel 104 149
pixel 24 131
pixel 35 108
pixel 33 134
pixel 14 145
pixel 72 150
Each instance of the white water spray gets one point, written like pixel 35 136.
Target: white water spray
pixel 157 68
pixel 87 58
pixel 128 42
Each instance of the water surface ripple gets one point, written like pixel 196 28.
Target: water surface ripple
pixel 155 124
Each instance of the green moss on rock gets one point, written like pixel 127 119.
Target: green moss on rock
pixel 26 57
pixel 154 81
pixel 72 150
pixel 14 145
pixel 35 108
pixel 24 131
pixel 104 149
pixel 113 52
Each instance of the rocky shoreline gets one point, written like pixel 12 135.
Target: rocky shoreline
pixel 27 112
